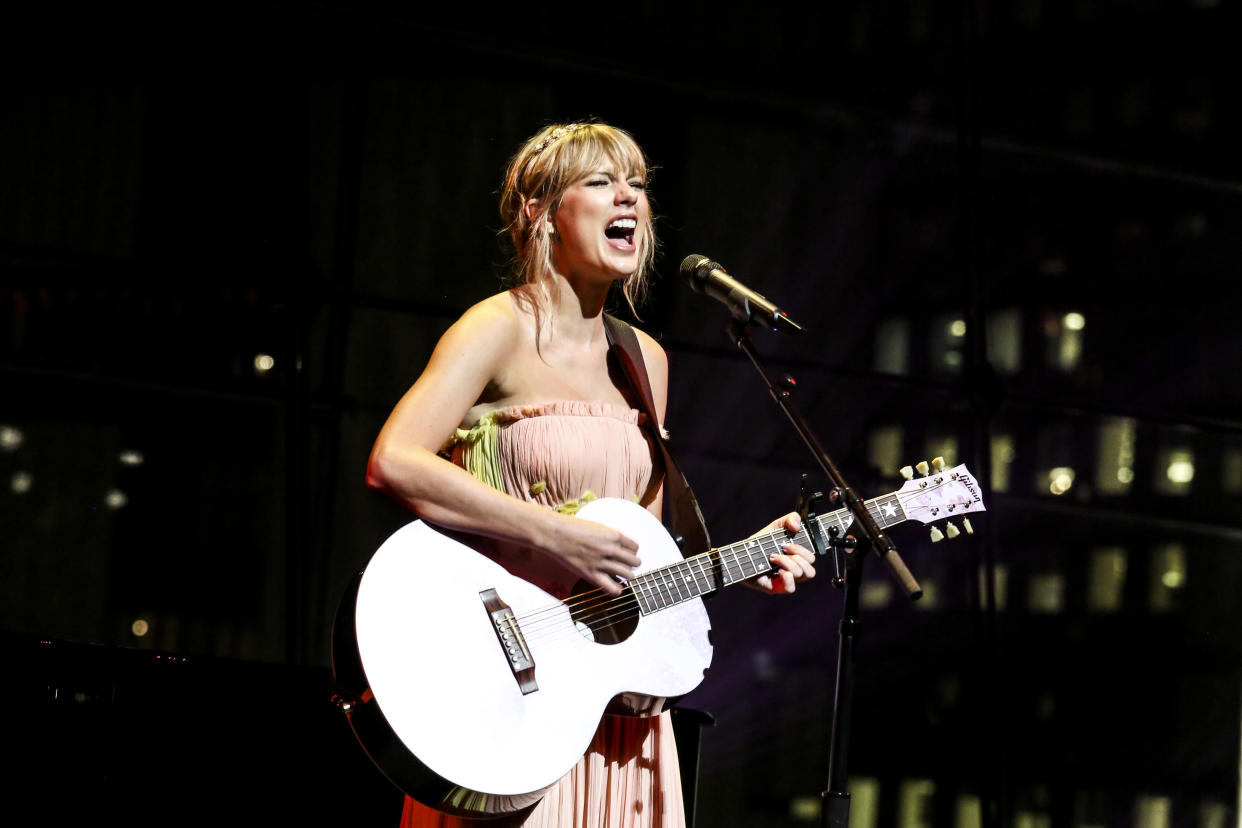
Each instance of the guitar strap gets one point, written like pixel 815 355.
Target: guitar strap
pixel 687 519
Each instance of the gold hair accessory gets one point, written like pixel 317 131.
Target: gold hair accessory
pixel 552 136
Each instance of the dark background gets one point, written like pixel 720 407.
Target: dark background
pixel 1009 227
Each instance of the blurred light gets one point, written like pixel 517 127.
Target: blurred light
pixel 969 812
pixel 875 594
pixel 1152 811
pixel 1002 459
pixel 864 801
pixel 1173 579
pixel 892 346
pixel 1115 456
pixel 1075 321
pixel 957 327
pixel 1060 480
pixel 1107 579
pixel 263 363
pixel 21 482
pixel 1181 469
pixel 804 808
pixel 116 499
pixel 1168 576
pixel 131 458
pixel 1174 470
pixel 884 449
pixel 914 803
pixel 140 627
pixel 1000 584
pixel 1004 341
pixel 1046 592
pixel 10 438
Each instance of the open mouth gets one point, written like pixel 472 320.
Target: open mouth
pixel 622 230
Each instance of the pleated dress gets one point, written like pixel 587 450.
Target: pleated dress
pixel 560 455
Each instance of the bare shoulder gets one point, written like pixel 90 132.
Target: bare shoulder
pixel 489 327
pixel 653 352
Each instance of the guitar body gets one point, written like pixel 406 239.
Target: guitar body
pixel 441 706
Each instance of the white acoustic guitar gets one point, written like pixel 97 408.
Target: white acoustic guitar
pixel 474 690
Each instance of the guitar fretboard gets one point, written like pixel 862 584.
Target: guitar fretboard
pixel 741 561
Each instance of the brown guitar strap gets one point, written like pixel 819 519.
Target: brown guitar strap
pixel 687 519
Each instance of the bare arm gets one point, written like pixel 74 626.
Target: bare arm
pixel 404 465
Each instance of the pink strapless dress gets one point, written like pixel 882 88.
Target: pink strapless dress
pixel 560 454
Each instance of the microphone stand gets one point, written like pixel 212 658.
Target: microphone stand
pixel 836 806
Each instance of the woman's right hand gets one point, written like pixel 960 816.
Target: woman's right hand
pixel 598 553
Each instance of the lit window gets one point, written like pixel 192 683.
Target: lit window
pixel 1231 471
pixel 1107 579
pixel 1152 811
pixel 1115 456
pixel 805 809
pixel 915 803
pixel 864 801
pixel 969 812
pixel 943 445
pixel 1002 461
pixel 1005 341
pixel 892 347
pixel 1046 592
pixel 1213 815
pixel 948 343
pixel 884 449
pixel 1064 335
pixel 1000 584
pixel 1175 470
pixel 1031 819
pixel 1168 576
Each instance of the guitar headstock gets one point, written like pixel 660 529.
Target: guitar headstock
pixel 940 494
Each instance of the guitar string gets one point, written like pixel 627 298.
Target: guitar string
pixel 666 590
pixel 555 613
pixel 620 611
pixel 649 584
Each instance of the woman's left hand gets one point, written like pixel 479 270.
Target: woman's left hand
pixel 794 563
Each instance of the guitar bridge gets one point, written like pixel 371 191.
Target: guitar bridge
pixel 509 634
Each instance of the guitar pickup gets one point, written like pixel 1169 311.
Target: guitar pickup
pixel 509 634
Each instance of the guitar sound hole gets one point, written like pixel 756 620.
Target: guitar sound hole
pixel 604 619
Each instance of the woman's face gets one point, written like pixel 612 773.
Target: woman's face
pixel 599 224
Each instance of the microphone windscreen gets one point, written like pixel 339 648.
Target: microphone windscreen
pixel 695 269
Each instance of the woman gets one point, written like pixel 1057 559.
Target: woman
pixel 520 388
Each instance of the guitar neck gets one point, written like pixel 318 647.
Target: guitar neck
pixel 737 562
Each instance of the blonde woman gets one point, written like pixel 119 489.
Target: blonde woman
pixel 521 390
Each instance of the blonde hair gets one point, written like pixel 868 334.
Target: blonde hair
pixel 551 161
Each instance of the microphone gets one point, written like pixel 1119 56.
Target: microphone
pixel 710 278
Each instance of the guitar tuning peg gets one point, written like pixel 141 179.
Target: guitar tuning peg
pixel 936 535
pixel 951 531
pixel 938 464
pixel 970 530
pixel 907 472
pixel 921 468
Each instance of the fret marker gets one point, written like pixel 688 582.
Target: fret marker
pixel 890 510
